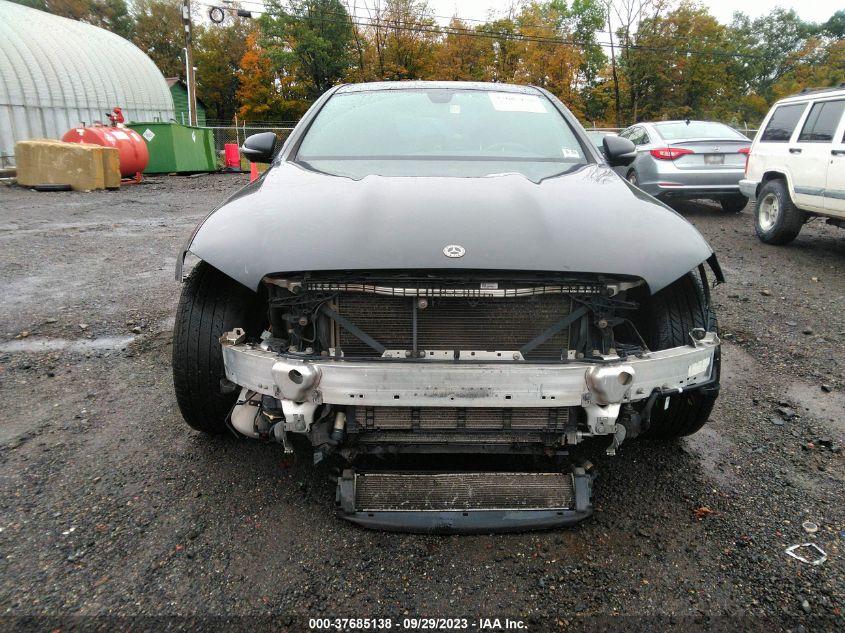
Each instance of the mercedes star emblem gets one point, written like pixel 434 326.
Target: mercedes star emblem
pixel 454 250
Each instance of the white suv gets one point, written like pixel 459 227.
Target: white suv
pixel 796 167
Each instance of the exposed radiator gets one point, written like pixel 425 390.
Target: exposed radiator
pixel 449 323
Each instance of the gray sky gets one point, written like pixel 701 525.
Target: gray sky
pixel 812 10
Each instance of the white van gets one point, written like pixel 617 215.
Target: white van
pixel 796 167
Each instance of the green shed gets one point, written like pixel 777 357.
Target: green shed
pixel 179 91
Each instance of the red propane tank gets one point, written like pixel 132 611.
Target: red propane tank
pixel 131 147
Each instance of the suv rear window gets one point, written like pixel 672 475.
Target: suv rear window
pixel 822 122
pixel 783 122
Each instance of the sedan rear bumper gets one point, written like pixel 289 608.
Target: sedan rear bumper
pixel 694 191
pixel 670 180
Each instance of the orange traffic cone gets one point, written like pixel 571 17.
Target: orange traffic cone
pixel 253 171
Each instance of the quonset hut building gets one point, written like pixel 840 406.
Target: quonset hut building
pixel 56 73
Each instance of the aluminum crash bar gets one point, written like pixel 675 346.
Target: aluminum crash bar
pixel 613 381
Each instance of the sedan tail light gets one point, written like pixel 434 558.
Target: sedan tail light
pixel 670 153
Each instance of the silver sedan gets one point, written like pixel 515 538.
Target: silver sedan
pixel 688 159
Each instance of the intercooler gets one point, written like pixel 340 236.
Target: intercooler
pixel 455 323
pixel 551 420
pixel 439 429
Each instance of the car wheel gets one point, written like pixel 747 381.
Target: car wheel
pixel 733 204
pixel 633 179
pixel 674 312
pixel 776 219
pixel 211 304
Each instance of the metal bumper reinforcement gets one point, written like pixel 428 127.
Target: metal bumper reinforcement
pixel 600 387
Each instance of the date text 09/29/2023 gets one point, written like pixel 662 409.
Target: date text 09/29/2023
pixel 417 624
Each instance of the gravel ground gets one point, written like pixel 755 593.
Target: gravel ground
pixel 111 506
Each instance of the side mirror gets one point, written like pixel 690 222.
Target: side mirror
pixel 260 148
pixel 618 151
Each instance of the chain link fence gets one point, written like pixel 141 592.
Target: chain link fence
pixel 225 134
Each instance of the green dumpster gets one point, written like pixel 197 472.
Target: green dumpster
pixel 177 148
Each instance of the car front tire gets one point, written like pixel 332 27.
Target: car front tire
pixel 776 218
pixel 674 312
pixel 211 304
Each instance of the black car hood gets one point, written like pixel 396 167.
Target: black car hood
pixel 589 220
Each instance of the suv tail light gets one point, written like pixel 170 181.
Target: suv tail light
pixel 670 153
pixel 746 151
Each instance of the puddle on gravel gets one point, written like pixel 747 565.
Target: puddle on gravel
pixel 713 449
pixel 60 344
pixel 826 407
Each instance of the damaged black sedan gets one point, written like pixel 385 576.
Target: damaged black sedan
pixel 446 268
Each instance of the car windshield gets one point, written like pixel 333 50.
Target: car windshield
pixel 680 130
pixel 440 132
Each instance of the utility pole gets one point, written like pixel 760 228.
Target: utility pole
pixel 190 75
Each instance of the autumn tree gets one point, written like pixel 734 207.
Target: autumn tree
pixel 507 49
pixel 822 63
pixel 112 15
pixel 624 19
pixel 404 36
pixel 256 90
pixel 266 93
pixel 549 56
pixel 311 36
pixel 464 54
pixel 770 47
pixel 667 58
pixel 158 32
pixel 217 56
pixel 581 19
pixel 681 67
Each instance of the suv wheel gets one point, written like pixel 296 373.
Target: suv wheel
pixel 211 304
pixel 674 312
pixel 776 219
pixel 733 204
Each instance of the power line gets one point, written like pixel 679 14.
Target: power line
pixel 479 21
pixel 516 36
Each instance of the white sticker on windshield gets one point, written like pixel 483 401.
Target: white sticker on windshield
pixel 570 153
pixel 455 108
pixel 515 102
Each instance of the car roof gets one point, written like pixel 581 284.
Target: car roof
pixel 679 121
pixel 814 93
pixel 437 85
